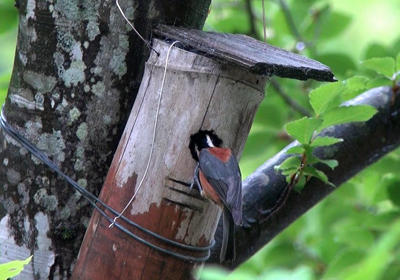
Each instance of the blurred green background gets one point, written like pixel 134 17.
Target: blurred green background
pixel 354 233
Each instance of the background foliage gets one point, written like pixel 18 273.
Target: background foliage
pixel 353 234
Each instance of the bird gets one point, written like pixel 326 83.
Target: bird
pixel 217 175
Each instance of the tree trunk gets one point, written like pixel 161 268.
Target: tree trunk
pixel 77 70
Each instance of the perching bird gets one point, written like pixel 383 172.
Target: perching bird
pixel 218 177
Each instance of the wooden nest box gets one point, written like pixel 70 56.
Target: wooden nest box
pixel 216 82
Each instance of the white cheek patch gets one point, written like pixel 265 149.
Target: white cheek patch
pixel 209 142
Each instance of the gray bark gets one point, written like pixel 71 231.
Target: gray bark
pixel 77 70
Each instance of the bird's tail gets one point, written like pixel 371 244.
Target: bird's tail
pixel 228 251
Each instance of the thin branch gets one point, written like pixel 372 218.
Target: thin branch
pixel 291 102
pixel 290 21
pixel 264 22
pixel 253 30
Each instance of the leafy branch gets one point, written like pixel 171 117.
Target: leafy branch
pixel 388 70
pixel 326 103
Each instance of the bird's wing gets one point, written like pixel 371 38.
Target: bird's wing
pixel 225 178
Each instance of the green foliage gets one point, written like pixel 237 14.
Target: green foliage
pixel 8 16
pixel 325 102
pixel 13 268
pixel 8 27
pixel 388 67
pixel 339 236
pixel 381 65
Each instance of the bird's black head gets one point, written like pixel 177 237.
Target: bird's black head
pixel 201 140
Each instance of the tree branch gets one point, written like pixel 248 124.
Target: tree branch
pixel 291 102
pixel 363 145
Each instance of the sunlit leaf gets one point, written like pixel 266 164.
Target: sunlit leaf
pixel 379 82
pixel 347 114
pixel 354 86
pixel 355 83
pixel 312 171
pixel 295 150
pixel 332 163
pixel 323 96
pixel 321 141
pixel 12 268
pixel 381 65
pixel 303 129
pixel 289 163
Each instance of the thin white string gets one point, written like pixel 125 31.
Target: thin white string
pixel 264 24
pixel 153 140
pixel 133 27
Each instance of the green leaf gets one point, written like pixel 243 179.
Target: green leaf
pixel 335 25
pixel 356 237
pixel 376 50
pixel 354 86
pixel 300 184
pixel 295 150
pixel 393 189
pixel 303 129
pixel 12 268
pixel 343 261
pixel 321 141
pixel 381 65
pixel 379 82
pixel 311 159
pixel 397 66
pixel 332 163
pixel 322 97
pixel 398 62
pixel 289 163
pixel 312 171
pixel 375 263
pixel 288 172
pixel 341 64
pixel 347 114
pixel 8 15
pixel 356 83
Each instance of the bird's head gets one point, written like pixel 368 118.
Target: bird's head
pixel 201 140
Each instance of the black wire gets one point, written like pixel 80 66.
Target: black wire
pixel 93 200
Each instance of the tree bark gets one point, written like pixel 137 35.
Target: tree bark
pixel 77 70
pixel 364 144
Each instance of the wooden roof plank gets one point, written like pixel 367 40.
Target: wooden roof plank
pixel 255 56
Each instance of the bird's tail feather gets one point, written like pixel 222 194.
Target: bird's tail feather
pixel 228 251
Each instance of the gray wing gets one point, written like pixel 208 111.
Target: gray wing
pixel 226 179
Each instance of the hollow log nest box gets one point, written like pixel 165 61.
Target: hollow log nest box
pixel 216 81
